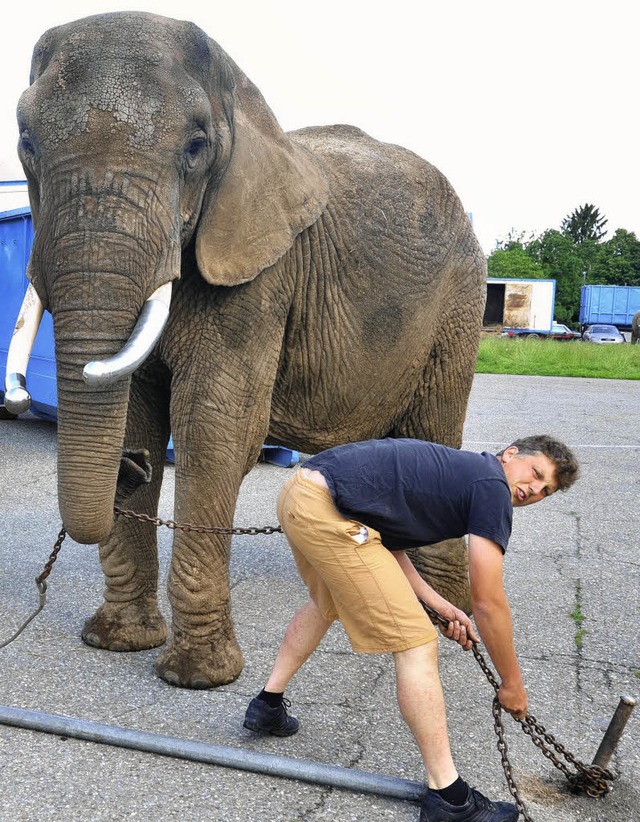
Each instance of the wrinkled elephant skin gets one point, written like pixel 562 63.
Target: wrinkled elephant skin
pixel 326 288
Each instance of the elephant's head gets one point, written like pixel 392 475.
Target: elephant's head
pixel 139 136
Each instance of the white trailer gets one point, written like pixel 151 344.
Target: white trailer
pixel 525 307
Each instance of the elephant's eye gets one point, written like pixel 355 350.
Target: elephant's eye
pixel 25 145
pixel 195 148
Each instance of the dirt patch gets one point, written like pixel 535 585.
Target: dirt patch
pixel 543 791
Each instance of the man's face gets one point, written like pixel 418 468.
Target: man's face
pixel 531 477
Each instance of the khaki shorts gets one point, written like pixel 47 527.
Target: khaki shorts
pixel 362 585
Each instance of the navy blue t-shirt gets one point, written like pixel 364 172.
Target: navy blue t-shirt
pixel 418 493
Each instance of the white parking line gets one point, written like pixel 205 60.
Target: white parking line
pixel 501 444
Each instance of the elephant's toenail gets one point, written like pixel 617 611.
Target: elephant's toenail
pixel 200 682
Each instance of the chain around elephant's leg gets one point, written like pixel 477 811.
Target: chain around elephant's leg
pixel 129 618
pixel 203 651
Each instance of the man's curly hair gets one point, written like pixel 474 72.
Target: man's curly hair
pixel 567 468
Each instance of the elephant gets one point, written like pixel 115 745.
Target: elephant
pixel 635 328
pixel 216 279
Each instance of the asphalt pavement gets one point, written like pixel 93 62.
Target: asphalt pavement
pixel 572 573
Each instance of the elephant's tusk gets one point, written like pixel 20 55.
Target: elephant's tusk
pixel 16 397
pixel 135 351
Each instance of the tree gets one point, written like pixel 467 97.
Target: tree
pixel 557 255
pixel 617 261
pixel 514 240
pixel 584 224
pixel 514 262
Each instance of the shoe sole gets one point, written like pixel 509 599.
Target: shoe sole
pixel 424 817
pixel 507 819
pixel 255 727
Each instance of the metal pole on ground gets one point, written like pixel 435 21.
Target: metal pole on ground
pixel 614 731
pixel 223 755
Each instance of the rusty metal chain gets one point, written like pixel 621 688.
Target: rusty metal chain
pixel 41 586
pixel 496 710
pixel 53 556
pixel 198 529
pixel 590 779
pixel 41 583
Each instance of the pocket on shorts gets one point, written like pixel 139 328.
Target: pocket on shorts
pixel 359 533
pixel 362 534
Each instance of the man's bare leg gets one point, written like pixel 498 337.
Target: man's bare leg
pixel 421 702
pixel 303 636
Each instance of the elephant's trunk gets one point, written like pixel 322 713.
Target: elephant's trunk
pixel 92 418
pixel 91 428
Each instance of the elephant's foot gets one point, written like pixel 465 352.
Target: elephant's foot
pixel 132 627
pixel 200 666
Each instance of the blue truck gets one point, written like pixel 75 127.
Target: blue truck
pixel 609 305
pixel 16 239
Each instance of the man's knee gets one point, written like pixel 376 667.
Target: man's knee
pixel 423 656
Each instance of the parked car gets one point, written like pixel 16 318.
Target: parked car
pixel 602 334
pixel 558 332
pixel 563 332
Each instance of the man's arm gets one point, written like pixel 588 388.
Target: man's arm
pixel 460 628
pixel 492 614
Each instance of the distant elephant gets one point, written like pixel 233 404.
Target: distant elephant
pixel 635 328
pixel 325 288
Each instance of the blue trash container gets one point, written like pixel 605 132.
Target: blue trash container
pixel 16 239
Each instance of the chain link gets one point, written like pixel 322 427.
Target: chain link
pixel 53 556
pixel 496 710
pixel 590 779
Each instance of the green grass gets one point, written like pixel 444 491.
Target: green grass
pixel 550 358
pixel 578 617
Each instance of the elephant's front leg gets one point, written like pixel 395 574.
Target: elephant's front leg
pixel 213 454
pixel 220 406
pixel 129 618
pixel 204 651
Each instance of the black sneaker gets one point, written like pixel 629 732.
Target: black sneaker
pixel 477 808
pixel 276 721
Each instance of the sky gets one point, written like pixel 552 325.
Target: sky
pixel 529 108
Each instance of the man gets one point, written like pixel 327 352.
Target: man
pixel 348 515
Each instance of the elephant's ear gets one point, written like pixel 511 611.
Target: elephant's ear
pixel 272 190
